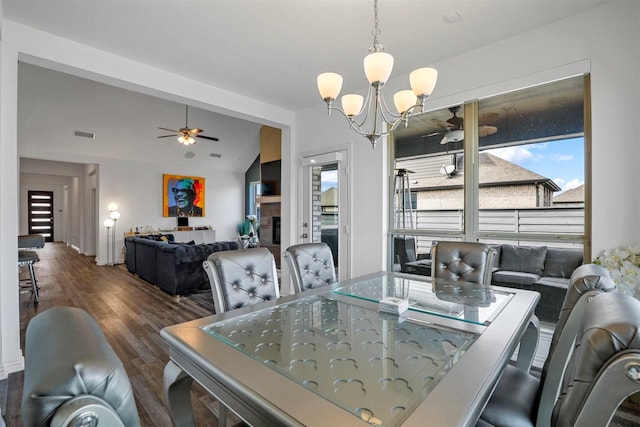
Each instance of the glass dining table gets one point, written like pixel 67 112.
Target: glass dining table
pixel 330 356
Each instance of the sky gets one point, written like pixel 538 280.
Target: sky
pixel 562 161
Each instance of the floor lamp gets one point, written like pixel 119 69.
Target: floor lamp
pixel 114 216
pixel 108 223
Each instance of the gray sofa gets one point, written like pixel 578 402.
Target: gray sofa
pixel 175 268
pixel 538 268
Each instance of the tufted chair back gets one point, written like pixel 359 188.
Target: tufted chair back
pixel 241 278
pixel 311 265
pixel 604 367
pixel 465 261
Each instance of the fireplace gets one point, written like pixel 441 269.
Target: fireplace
pixel 270 228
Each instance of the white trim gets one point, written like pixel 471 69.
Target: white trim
pixel 578 68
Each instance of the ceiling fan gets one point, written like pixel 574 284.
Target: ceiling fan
pixel 186 135
pixel 453 131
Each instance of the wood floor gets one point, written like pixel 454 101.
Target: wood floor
pixel 130 311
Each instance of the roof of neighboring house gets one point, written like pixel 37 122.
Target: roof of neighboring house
pixel 493 171
pixel 571 196
pixel 329 197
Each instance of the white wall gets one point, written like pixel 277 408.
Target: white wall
pixel 603 40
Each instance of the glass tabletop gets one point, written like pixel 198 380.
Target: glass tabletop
pixel 377 366
pixel 465 301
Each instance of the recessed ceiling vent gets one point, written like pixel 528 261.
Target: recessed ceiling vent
pixel 85 134
pixel 216 155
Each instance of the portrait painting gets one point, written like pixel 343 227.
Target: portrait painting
pixel 182 195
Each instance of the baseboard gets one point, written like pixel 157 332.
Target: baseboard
pixel 11 366
pixel 75 248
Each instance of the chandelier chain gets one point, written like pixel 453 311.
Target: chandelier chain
pixel 376 29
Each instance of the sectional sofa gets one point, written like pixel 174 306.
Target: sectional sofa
pixel 539 268
pixel 174 267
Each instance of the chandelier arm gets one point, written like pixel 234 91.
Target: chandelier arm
pixel 363 115
pixel 352 123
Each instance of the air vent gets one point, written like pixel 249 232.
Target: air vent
pixel 85 134
pixel 215 155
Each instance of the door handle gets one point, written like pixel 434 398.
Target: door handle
pixel 305 235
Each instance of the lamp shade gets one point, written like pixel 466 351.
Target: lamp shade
pixel 329 85
pixel 115 215
pixel 423 81
pixel 404 100
pixel 378 67
pixel 108 223
pixel 455 135
pixel 352 104
pixel 112 207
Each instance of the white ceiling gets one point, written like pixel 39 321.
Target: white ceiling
pixel 272 50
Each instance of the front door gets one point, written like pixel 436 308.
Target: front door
pixel 40 220
pixel 325 205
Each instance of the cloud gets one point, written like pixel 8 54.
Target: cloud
pixel 572 184
pixel 558 181
pixel 330 176
pixel 516 155
pixel 562 157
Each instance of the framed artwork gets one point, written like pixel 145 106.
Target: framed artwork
pixel 182 195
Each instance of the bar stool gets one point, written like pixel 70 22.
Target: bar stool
pixel 28 258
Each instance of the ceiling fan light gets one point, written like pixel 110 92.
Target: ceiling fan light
pixel 404 100
pixel 378 67
pixel 329 85
pixel 455 135
pixel 423 81
pixel 352 104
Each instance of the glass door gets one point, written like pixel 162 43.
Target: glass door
pixel 324 216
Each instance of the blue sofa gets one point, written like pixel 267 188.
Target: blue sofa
pixel 175 268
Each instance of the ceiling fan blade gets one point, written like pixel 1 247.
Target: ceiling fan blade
pixel 170 130
pixel 194 131
pixel 488 118
pixel 432 134
pixel 211 138
pixel 487 130
pixel 167 136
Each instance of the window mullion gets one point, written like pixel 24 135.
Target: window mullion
pixel 471 174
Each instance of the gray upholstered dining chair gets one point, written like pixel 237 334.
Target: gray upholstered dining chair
pixel 241 278
pixel 311 265
pixel 521 398
pixel 464 261
pixel 72 376
pixel 473 262
pixel 238 279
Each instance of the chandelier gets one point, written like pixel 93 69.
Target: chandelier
pixel 374 111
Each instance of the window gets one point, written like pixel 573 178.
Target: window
pixel 517 175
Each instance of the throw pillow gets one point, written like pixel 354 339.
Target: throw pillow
pixel 562 262
pixel 527 259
